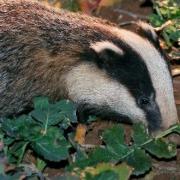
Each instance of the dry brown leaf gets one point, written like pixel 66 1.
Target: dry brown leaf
pixel 80 134
pixel 57 4
pixel 87 6
pixel 106 3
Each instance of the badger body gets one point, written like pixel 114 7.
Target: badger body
pixel 105 70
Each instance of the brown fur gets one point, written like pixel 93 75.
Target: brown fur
pixel 37 46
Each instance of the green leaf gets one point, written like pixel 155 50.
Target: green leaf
pixel 68 109
pixel 8 141
pixel 2 166
pixel 114 135
pixel 10 177
pixel 139 160
pixel 17 150
pixel 177 129
pixel 72 5
pixel 95 157
pixel 123 171
pixel 161 149
pixel 63 112
pixel 155 20
pixel 114 139
pixel 47 116
pixel 65 177
pixel 175 36
pixel 41 103
pixel 52 146
pixel 40 164
pixel 21 128
pixel 140 134
pixel 114 150
pixel 109 175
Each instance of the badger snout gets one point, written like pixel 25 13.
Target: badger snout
pixel 160 115
pixel 154 120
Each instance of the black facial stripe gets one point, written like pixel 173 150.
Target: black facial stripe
pixel 154 117
pixel 136 78
pixel 146 34
pixel 103 111
pixel 130 70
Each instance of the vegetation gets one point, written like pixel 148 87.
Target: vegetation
pixel 166 20
pixel 47 132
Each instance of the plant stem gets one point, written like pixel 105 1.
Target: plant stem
pixel 163 134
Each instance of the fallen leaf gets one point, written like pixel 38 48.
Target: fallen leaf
pixel 87 6
pixel 80 134
pixel 106 3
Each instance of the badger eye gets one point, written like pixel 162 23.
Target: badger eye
pixel 144 101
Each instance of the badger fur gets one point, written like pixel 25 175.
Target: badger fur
pixel 105 70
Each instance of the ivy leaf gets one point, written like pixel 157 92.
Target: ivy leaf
pixel 140 134
pixel 139 160
pixel 161 149
pixel 52 146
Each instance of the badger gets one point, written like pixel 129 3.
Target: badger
pixel 107 71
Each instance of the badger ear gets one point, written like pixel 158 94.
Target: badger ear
pixel 147 31
pixel 106 52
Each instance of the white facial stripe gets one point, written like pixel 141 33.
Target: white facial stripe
pixel 158 71
pixel 148 28
pixel 100 46
pixel 86 83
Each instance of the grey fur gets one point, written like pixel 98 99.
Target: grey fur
pixel 40 54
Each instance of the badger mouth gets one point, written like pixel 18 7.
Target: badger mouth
pixel 84 110
pixel 103 112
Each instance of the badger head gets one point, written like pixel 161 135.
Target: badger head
pixel 126 78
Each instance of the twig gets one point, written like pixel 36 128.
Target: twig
pixel 174 57
pixel 167 23
pixel 166 169
pixel 176 72
pixel 91 146
pixel 126 23
pixel 133 15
